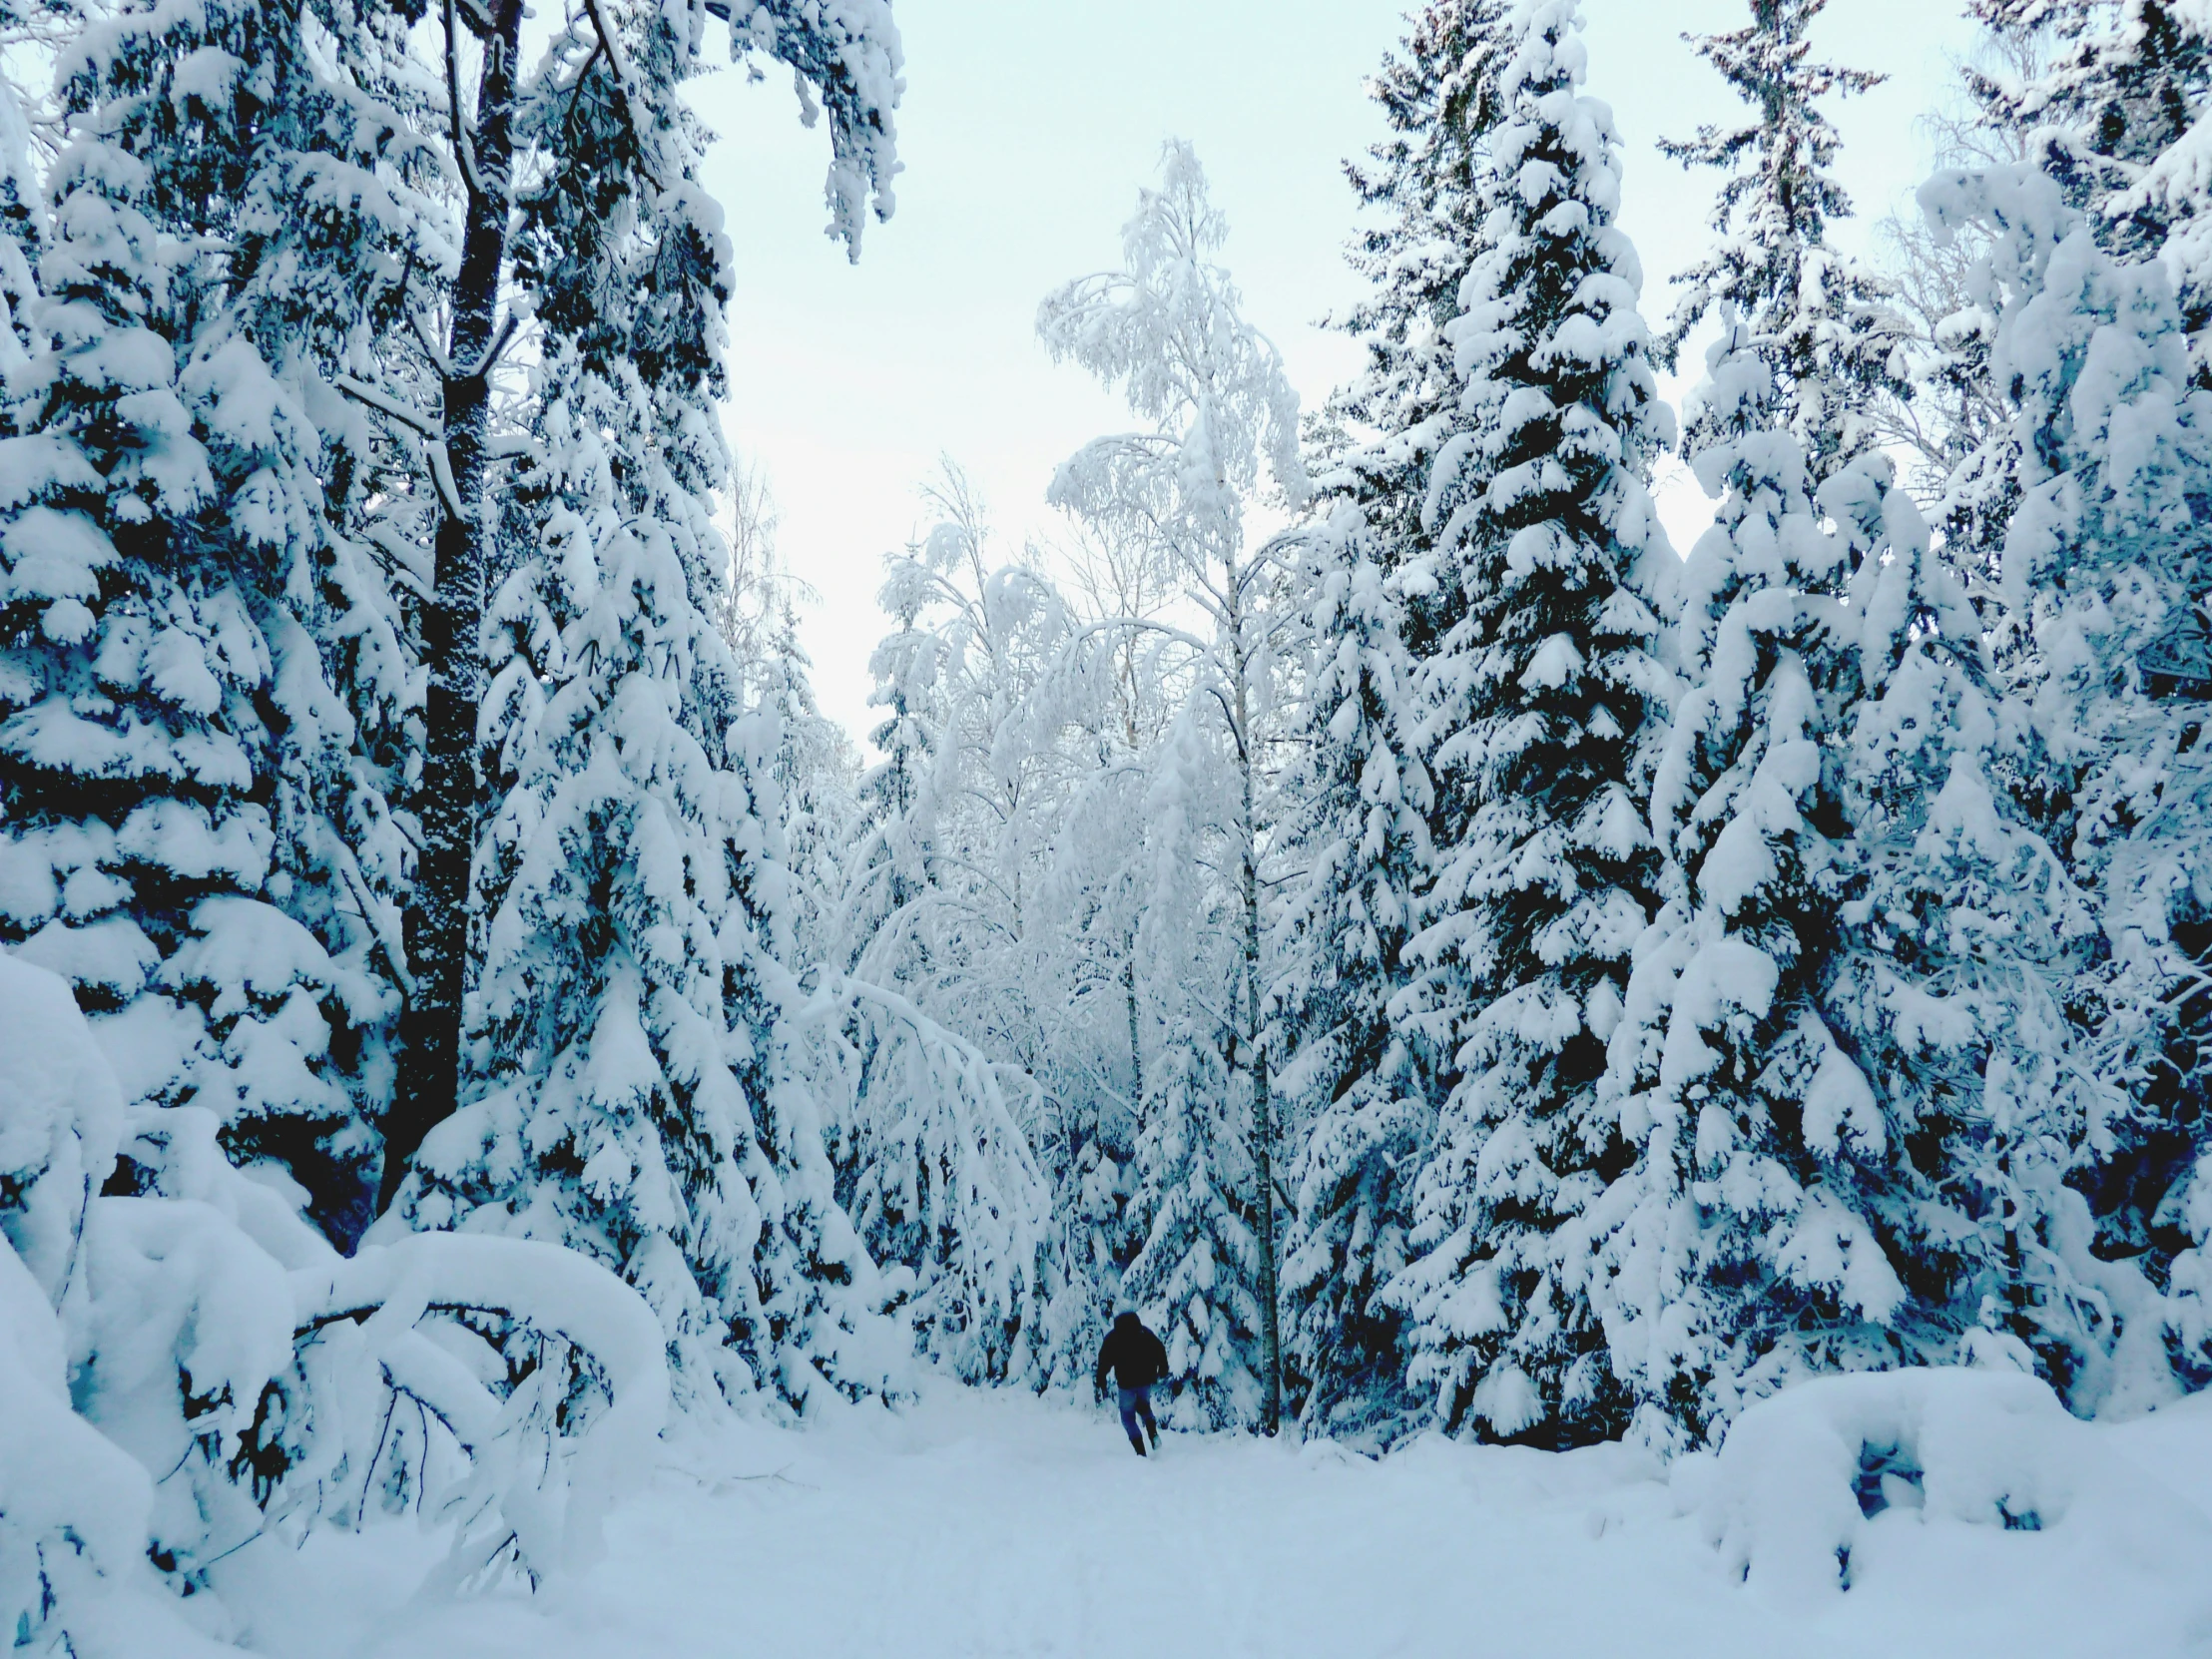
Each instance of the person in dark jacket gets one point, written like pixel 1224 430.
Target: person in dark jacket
pixel 1137 1360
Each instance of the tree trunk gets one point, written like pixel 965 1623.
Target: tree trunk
pixel 1263 1116
pixel 1129 999
pixel 429 1085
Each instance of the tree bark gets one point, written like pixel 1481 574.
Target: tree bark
pixel 449 803
pixel 1129 1003
pixel 1263 1116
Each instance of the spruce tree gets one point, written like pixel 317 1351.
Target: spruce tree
pixel 1360 1090
pixel 1538 709
pixel 1820 319
pixel 2103 577
pixel 1196 1275
pixel 1732 1256
pixel 1963 943
pixel 1436 95
pixel 636 1097
pixel 2113 111
pixel 259 867
pixel 1355 1089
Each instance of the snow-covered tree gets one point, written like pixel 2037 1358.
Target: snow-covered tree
pixel 499 130
pixel 938 1177
pixel 2112 103
pixel 2101 569
pixel 1359 1097
pixel 637 1100
pixel 1383 430
pixel 188 1366
pixel 1196 1272
pixel 178 755
pixel 1732 1256
pixel 1946 405
pixel 1964 942
pixel 1821 320
pixel 1539 708
pixel 1357 1094
pixel 1168 328
pixel 994 887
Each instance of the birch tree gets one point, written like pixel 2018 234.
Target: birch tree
pixel 1167 328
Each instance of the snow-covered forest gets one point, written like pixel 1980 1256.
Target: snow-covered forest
pixel 1464 969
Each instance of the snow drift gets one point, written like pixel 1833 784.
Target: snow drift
pixel 186 1365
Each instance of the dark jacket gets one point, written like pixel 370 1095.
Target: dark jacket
pixel 1133 1354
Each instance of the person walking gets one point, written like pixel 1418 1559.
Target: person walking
pixel 1135 1356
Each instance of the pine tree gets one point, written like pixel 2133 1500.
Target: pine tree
pixel 1820 318
pixel 1539 705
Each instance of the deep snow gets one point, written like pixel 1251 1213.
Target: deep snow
pixel 997 1525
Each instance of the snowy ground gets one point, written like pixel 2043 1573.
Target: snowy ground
pixel 997 1524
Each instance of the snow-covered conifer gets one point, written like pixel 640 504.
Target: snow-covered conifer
pixel 1539 707
pixel 272 998
pixel 1731 1257
pixel 2114 107
pixel 2107 459
pixel 1820 318
pixel 899 794
pixel 1358 1093
pixel 1196 1272
pixel 1964 940
pixel 1436 97
pixel 168 713
pixel 637 1100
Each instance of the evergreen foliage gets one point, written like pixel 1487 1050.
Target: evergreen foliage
pixel 1821 321
pixel 1537 707
pixel 199 829
pixel 1736 1254
pixel 1356 1088
pixel 1445 962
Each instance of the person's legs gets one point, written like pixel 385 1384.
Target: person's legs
pixel 1144 1415
pixel 1132 1402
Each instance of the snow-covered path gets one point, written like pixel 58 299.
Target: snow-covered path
pixel 982 1524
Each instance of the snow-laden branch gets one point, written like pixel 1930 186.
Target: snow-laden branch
pixel 937 1173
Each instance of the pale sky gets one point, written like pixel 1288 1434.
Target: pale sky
pixel 1028 126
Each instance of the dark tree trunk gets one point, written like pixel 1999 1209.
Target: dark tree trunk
pixel 1252 1038
pixel 448 806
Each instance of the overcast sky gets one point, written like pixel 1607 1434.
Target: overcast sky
pixel 1028 128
